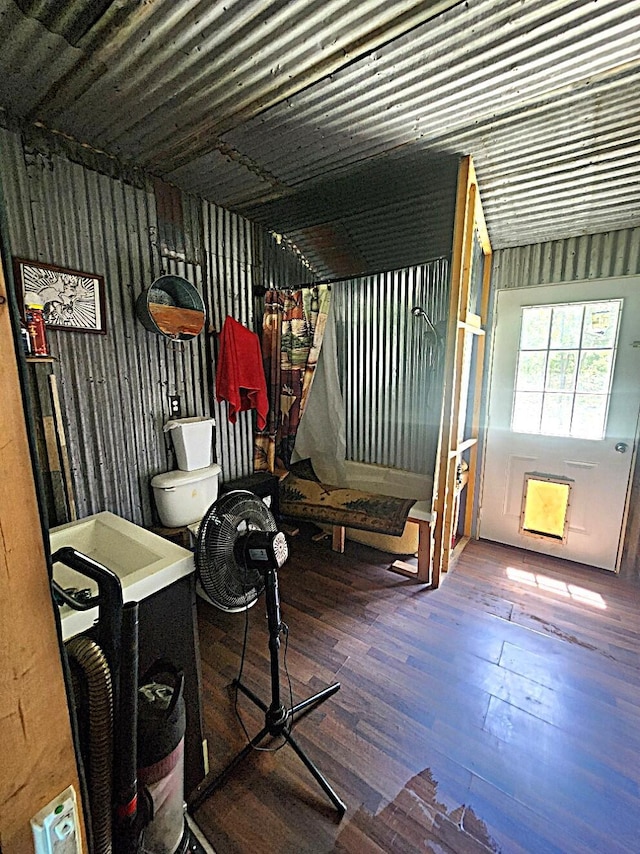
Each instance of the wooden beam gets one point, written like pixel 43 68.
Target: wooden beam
pixel 463 446
pixel 444 444
pixel 470 327
pixel 463 322
pixel 479 386
pixel 64 453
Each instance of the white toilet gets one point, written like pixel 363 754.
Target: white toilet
pixel 183 497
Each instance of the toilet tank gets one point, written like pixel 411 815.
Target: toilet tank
pixel 183 497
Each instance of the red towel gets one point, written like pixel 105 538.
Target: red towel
pixel 240 373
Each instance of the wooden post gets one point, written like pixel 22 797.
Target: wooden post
pixel 38 757
pixel 463 323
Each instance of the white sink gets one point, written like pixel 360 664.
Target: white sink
pixel 144 562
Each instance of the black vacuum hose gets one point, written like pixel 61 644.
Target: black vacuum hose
pixel 93 663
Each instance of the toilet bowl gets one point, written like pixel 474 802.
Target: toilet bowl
pixel 183 497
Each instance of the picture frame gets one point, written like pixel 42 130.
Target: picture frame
pixel 71 299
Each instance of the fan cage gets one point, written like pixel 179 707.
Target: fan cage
pixel 230 585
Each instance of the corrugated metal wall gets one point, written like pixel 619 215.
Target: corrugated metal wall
pixel 281 264
pixel 391 371
pixel 229 242
pixel 114 388
pixel 593 256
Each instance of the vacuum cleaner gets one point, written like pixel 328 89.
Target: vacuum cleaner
pixel 161 729
pixel 137 801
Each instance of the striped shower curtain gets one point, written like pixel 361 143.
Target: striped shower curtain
pixel 292 332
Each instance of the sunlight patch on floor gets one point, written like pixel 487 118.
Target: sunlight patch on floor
pixel 554 585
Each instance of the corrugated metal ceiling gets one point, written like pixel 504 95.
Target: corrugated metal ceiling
pixel 249 102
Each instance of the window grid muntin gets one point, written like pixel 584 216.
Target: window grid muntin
pixel 546 392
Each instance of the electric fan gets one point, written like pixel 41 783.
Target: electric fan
pixel 238 552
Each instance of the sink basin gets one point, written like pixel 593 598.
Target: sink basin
pixel 144 562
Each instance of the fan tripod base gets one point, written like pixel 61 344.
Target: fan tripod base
pixel 276 724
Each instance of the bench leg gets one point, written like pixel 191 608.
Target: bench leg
pixel 423 573
pixel 424 554
pixel 337 538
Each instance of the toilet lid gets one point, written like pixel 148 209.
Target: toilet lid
pixel 171 479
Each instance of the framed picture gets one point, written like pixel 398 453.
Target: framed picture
pixel 70 299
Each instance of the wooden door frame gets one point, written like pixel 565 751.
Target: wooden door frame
pixel 462 323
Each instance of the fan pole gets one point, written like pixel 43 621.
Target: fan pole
pixel 276 714
pixel 277 717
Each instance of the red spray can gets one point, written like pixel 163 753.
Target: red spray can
pixel 36 329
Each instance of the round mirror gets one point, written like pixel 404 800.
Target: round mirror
pixel 172 307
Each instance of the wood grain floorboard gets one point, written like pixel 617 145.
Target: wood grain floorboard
pixel 500 713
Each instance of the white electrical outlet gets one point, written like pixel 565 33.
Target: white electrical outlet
pixel 55 827
pixel 174 405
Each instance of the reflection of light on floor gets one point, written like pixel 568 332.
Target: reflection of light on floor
pixel 554 585
pixel 587 596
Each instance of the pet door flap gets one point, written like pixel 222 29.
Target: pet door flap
pixel 545 506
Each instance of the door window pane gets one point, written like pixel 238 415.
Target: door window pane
pixel 595 371
pixel 601 324
pixel 589 414
pixel 566 326
pixel 565 369
pixel 556 414
pixel 535 328
pixel 527 411
pixel 561 375
pixel 532 366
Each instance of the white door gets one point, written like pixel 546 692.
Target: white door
pixel 563 404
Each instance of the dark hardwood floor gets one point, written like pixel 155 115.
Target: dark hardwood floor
pixel 498 713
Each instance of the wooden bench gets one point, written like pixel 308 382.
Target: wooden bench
pixel 423 516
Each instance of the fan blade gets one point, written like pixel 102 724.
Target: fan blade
pixel 228 584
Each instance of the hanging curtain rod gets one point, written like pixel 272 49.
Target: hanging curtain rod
pixel 260 290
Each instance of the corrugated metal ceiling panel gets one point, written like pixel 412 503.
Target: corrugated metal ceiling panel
pixel 249 101
pixel 544 95
pixel 471 64
pixel 400 214
pixel 230 179
pixel 170 76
